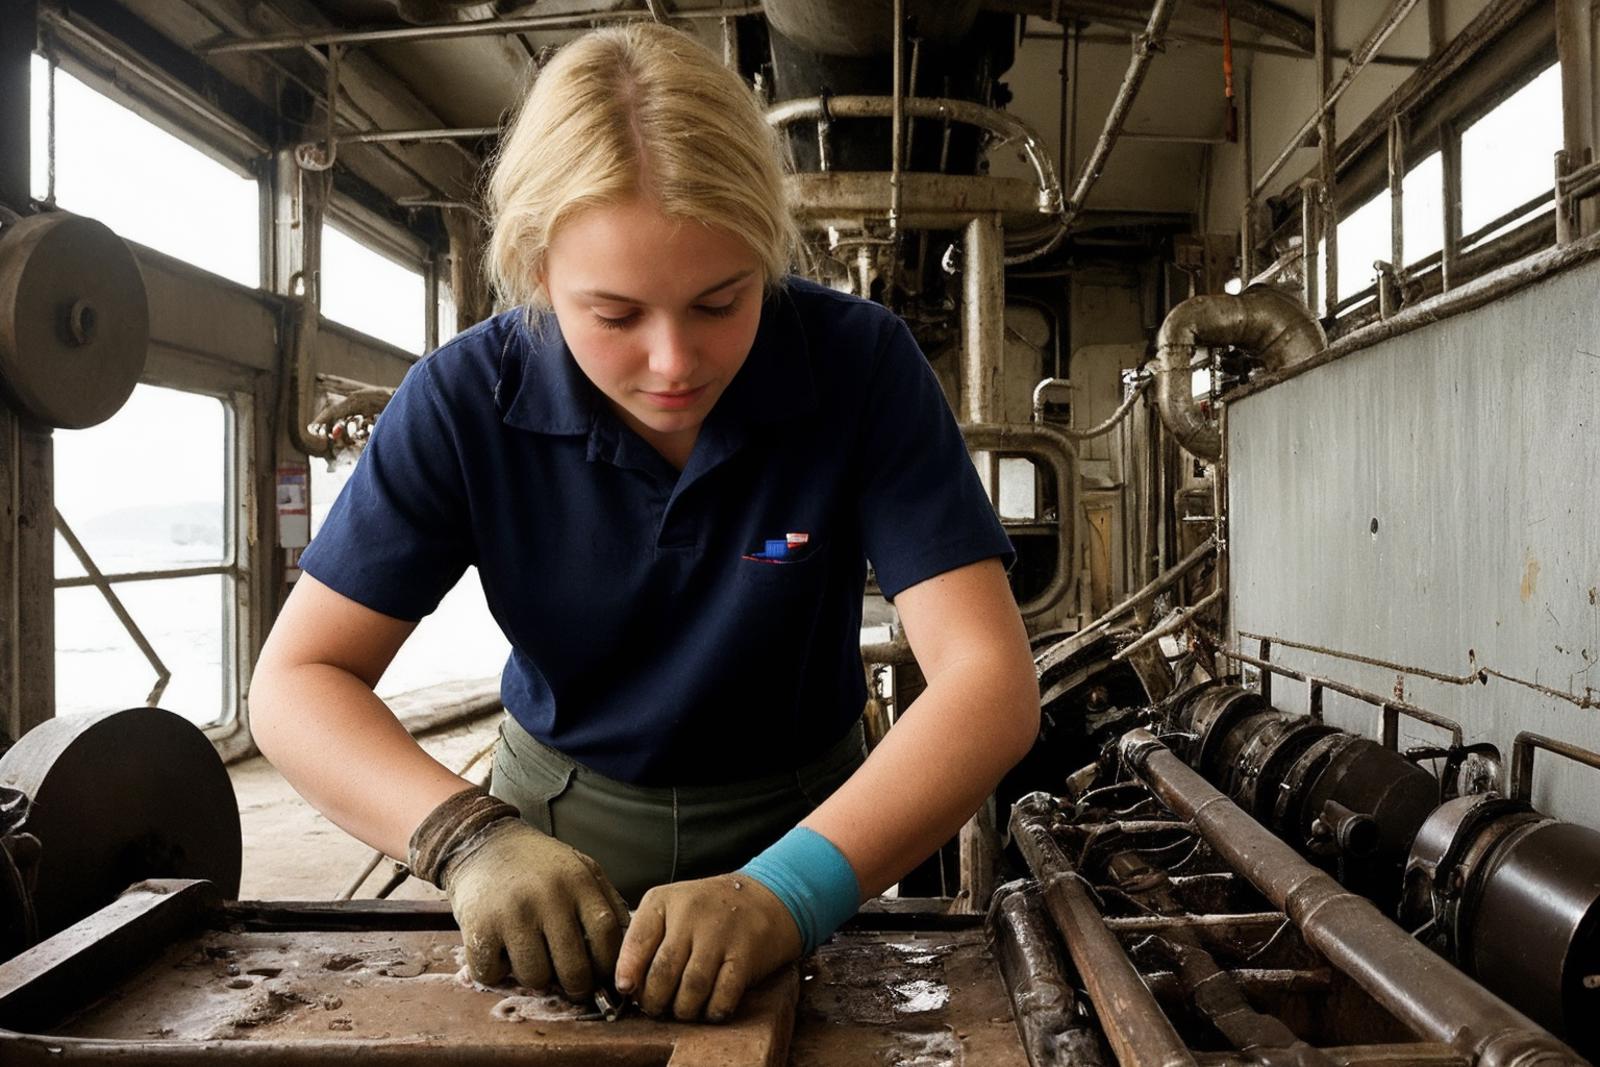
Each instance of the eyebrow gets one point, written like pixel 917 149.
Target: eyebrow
pixel 600 294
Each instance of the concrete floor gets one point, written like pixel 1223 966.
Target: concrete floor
pixel 292 853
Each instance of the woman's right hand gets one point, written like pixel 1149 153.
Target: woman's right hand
pixel 539 908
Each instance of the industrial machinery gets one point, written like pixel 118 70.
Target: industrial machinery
pixel 1290 421
pixel 1225 875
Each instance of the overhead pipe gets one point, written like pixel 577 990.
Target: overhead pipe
pixel 1426 993
pixel 493 27
pixel 1269 324
pixel 1144 47
pixel 1396 14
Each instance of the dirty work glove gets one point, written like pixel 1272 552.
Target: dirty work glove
pixel 523 900
pixel 698 945
pixel 713 937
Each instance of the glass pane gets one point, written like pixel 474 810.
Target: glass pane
pixel 1363 239
pixel 1508 156
pixel 458 642
pixel 1423 209
pixel 372 293
pixel 1018 497
pixel 161 192
pixel 146 489
pixel 98 665
pixel 325 487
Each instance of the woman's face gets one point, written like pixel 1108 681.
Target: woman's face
pixel 659 314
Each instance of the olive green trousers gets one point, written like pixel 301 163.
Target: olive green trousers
pixel 646 836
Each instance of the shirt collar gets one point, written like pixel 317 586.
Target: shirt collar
pixel 549 394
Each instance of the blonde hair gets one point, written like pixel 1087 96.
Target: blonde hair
pixel 628 111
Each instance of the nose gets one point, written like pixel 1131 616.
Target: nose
pixel 672 353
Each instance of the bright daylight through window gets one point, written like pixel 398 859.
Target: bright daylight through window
pixel 371 292
pixel 143 492
pixel 460 641
pixel 161 193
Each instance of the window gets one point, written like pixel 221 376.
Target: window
pixel 146 497
pixel 1422 209
pixel 369 291
pixel 460 641
pixel 1507 157
pixel 161 192
pixel 1019 496
pixel 1363 240
pixel 447 313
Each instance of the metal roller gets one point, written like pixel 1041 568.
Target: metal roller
pixel 1513 897
pixel 74 320
pixel 116 798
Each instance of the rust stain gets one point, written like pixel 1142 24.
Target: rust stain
pixel 1594 593
pixel 1530 579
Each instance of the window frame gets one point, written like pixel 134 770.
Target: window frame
pixel 235 568
pixel 1433 116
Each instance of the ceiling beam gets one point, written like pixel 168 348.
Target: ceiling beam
pixel 1266 17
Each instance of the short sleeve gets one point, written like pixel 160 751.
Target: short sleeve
pixel 923 509
pixel 398 537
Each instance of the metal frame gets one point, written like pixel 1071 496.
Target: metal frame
pixel 1522 751
pixel 1320 202
pixel 1390 709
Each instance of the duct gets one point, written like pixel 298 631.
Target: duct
pixel 1271 326
pixel 1059 455
pixel 853 28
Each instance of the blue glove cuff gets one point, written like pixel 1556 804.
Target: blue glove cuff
pixel 812 878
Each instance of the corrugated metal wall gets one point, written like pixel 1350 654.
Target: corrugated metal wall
pixel 1474 445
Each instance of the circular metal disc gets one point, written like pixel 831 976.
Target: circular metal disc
pixel 119 797
pixel 74 321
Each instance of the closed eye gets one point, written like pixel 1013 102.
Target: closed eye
pixel 621 322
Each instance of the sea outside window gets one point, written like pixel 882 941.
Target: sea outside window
pixel 147 185
pixel 144 496
pixel 367 290
pixel 459 642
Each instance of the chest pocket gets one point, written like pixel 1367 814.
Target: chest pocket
pixel 779 599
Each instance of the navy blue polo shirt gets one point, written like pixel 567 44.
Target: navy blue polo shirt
pixel 646 642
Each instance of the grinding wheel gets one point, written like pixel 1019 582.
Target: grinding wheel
pixel 74 320
pixel 119 797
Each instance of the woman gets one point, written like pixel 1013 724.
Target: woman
pixel 670 466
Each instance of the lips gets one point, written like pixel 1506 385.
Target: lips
pixel 675 400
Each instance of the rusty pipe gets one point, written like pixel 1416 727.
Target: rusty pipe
pixel 1138 1030
pixel 1054 1033
pixel 1145 45
pixel 1427 994
pixel 1269 324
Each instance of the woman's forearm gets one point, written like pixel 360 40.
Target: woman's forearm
pixel 944 755
pixel 343 750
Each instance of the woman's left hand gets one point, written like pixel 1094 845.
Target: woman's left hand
pixel 698 945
